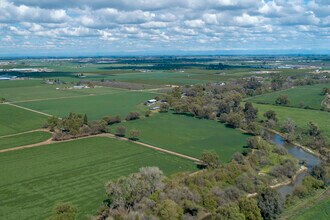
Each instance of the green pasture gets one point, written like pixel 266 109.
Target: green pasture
pixel 96 107
pixel 15 120
pixel 309 96
pixel 320 211
pixel 315 206
pixel 33 180
pixel 300 116
pixel 4 84
pixel 43 91
pixel 23 139
pixel 158 78
pixel 188 135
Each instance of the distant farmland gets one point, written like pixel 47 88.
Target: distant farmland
pixel 43 91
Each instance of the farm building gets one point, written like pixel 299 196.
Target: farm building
pixel 155 108
pixel 152 101
pixel 7 77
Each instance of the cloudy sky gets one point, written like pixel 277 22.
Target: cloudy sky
pixel 100 27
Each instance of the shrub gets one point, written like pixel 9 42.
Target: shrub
pixel 64 211
pixel 250 209
pixel 271 115
pixel 280 150
pixel 270 203
pixel 147 113
pixel 168 209
pixel 132 116
pixel 120 131
pixel 311 183
pixel 282 100
pixel 300 191
pixel 134 135
pixel 228 212
pixel 164 107
pixel 210 159
pixel 112 120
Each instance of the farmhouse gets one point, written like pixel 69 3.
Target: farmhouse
pixel 155 108
pixel 4 78
pixel 7 77
pixel 152 101
pixel 80 87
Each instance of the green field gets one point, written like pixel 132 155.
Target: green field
pixel 320 211
pixel 33 180
pixel 315 206
pixel 95 107
pixel 19 90
pixel 309 96
pixel 159 78
pixel 18 84
pixel 15 120
pixel 23 139
pixel 188 135
pixel 300 116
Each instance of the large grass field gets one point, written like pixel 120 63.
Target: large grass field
pixel 5 84
pixel 24 90
pixel 33 180
pixel 321 211
pixel 300 116
pixel 309 96
pixel 15 120
pixel 23 139
pixel 160 78
pixel 95 107
pixel 312 207
pixel 188 135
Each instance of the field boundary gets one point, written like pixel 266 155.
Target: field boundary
pixel 151 91
pixel 25 132
pixel 50 142
pixel 46 99
pixel 28 109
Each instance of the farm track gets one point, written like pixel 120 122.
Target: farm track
pixel 87 95
pixel 50 141
pixel 28 109
pixel 25 132
pixel 47 99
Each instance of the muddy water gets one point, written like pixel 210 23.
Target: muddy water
pixel 300 154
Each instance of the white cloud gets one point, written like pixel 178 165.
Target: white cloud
pixel 11 13
pixel 194 23
pixel 247 20
pixel 164 23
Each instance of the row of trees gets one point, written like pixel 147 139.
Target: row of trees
pixel 133 134
pixel 77 125
pixel 74 125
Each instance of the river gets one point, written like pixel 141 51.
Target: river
pixel 300 154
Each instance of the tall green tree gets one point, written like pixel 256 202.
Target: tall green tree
pixel 250 209
pixel 270 203
pixel 210 159
pixel 250 113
